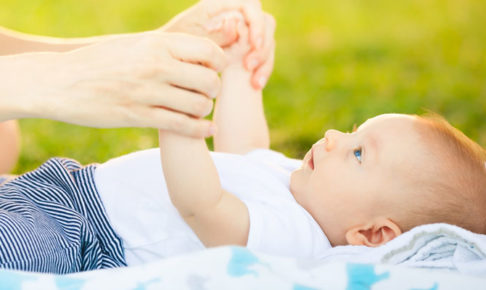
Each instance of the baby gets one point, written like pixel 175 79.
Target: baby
pixel 362 188
pixel 393 173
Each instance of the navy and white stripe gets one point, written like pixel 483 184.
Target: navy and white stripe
pixel 52 220
pixel 5 178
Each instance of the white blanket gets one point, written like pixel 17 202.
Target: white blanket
pixel 238 268
pixel 446 256
pixel 435 246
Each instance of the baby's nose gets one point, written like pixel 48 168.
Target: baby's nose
pixel 331 137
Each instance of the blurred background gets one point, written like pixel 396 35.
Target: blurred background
pixel 338 63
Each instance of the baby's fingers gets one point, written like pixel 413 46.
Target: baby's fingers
pixel 252 12
pixel 223 28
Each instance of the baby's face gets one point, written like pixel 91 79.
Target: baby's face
pixel 348 178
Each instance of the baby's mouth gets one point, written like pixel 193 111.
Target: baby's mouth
pixel 311 159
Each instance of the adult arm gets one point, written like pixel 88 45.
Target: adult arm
pixel 42 85
pixel 14 42
pixel 132 84
pixel 201 20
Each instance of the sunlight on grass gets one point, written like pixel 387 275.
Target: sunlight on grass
pixel 337 63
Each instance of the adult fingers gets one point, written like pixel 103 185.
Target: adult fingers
pixel 262 74
pixel 198 50
pixel 195 78
pixel 164 119
pixel 256 56
pixel 179 100
pixel 256 23
pixel 261 61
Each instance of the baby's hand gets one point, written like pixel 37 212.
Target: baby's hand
pixel 203 19
pixel 234 24
pixel 241 49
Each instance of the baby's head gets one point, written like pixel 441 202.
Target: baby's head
pixel 393 173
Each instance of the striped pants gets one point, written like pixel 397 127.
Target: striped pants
pixel 52 220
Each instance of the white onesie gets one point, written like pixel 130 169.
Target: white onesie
pixel 134 193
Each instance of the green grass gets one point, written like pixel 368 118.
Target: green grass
pixel 337 63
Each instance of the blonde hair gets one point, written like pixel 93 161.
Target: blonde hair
pixel 452 186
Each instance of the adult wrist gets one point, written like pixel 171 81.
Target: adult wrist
pixel 23 78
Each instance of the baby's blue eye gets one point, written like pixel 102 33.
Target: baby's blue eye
pixel 357 154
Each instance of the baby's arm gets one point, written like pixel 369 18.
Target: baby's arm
pixel 239 116
pixel 215 215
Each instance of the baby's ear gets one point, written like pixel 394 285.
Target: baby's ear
pixel 373 234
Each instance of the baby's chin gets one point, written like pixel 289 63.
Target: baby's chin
pixel 296 181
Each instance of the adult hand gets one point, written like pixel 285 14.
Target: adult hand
pixel 265 58
pixel 207 19
pixel 139 80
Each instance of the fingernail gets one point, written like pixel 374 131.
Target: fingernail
pixel 212 129
pixel 262 81
pixel 214 94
